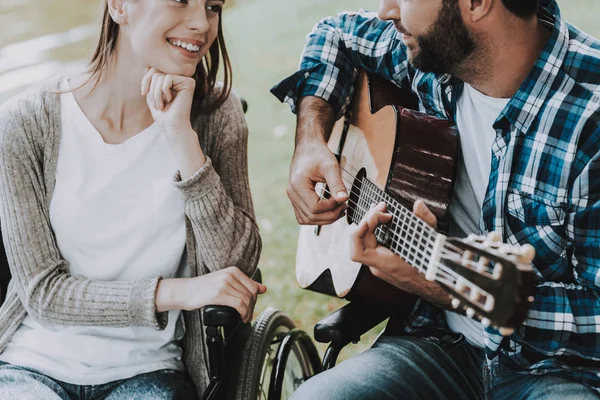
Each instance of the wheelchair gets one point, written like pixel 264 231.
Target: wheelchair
pixel 274 357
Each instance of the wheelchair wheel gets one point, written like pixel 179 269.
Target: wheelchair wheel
pixel 267 364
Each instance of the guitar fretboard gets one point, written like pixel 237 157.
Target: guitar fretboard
pixel 406 235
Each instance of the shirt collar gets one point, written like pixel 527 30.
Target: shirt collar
pixel 527 102
pixel 525 105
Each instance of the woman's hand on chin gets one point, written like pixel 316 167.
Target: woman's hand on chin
pixel 169 98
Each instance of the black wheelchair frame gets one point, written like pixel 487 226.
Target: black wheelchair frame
pixel 344 326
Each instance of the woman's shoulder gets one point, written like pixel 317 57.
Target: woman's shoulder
pixel 231 106
pixel 33 102
pixel 229 114
pixel 30 111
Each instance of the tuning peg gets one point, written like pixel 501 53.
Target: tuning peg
pixel 485 322
pixel 494 236
pixel 470 312
pixel 526 254
pixel 455 303
pixel 506 331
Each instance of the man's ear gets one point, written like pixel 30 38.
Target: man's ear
pixel 478 9
pixel 118 11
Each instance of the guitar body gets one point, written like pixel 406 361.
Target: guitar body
pixel 408 154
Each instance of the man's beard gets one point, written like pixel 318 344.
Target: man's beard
pixel 446 45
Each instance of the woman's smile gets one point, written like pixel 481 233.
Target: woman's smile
pixel 188 47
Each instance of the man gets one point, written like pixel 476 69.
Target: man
pixel 523 87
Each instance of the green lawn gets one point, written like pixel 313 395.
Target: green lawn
pixel 266 38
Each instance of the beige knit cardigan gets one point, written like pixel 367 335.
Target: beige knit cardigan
pixel 221 228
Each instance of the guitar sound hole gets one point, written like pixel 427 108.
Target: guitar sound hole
pixel 354 214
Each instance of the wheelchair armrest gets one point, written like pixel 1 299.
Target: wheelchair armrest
pixel 223 315
pixel 349 323
pixel 220 316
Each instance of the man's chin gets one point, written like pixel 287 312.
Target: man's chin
pixel 412 55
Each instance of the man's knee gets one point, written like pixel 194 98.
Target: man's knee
pixel 335 384
pixel 365 376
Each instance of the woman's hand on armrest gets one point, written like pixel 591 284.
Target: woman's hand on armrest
pixel 226 287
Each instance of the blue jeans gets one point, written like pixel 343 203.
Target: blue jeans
pixel 19 383
pixel 504 383
pixel 436 367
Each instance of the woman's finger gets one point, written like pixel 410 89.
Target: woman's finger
pixel 240 306
pixel 150 95
pixel 166 89
pixel 248 293
pixel 249 284
pixel 146 80
pixel 157 82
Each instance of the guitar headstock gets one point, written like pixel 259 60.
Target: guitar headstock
pixel 492 281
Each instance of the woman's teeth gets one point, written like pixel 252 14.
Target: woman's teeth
pixel 184 45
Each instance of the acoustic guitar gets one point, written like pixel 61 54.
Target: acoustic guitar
pixel 390 152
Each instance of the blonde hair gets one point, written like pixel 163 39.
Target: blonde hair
pixel 206 71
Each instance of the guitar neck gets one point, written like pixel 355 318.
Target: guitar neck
pixel 406 235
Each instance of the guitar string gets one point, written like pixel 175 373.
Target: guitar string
pixel 428 232
pixel 412 228
pixel 412 244
pixel 410 224
pixel 444 274
pixel 415 252
pixel 396 239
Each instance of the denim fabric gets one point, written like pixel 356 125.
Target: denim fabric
pixel 433 367
pixel 506 384
pixel 403 368
pixel 18 383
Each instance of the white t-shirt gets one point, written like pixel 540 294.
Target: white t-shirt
pixel 116 216
pixel 475 118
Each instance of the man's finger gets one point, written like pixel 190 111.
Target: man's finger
pixel 422 211
pixel 333 177
pixel 371 221
pixel 315 209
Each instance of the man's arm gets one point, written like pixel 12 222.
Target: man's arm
pixel 313 162
pixel 318 93
pixel 335 48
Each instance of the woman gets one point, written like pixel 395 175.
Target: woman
pixel 104 248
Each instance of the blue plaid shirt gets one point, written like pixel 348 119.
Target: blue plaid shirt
pixel 545 175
